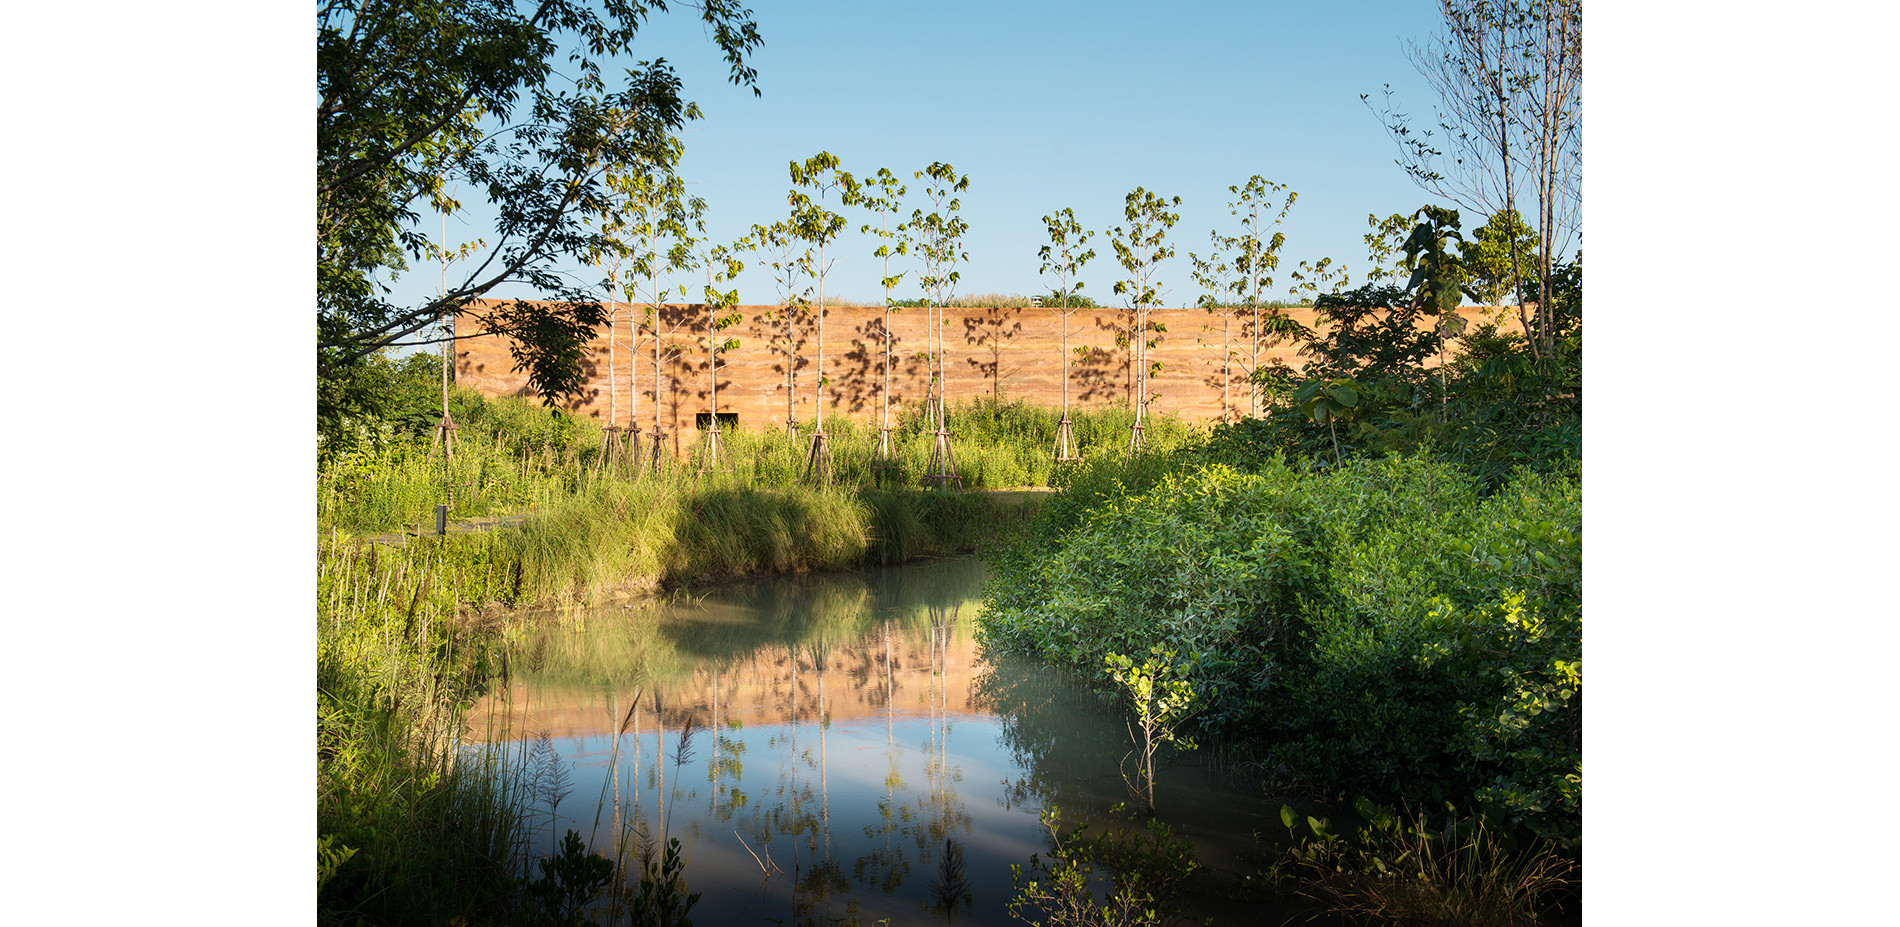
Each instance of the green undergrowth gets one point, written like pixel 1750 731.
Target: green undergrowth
pixel 410 830
pixel 1382 626
pixel 407 832
pixel 511 456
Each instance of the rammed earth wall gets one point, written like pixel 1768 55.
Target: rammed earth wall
pixel 1014 352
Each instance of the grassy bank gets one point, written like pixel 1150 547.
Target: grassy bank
pixel 407 831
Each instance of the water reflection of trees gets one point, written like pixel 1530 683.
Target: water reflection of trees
pixel 1068 750
pixel 680 760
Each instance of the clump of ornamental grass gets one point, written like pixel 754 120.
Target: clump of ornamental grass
pixel 1396 870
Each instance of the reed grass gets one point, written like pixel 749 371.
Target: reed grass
pixel 409 828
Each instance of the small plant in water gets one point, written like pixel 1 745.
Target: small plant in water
pixel 662 900
pixel 1145 876
pixel 548 780
pixel 1162 698
pixel 950 887
pixel 570 881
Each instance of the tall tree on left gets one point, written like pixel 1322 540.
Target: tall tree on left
pixel 513 101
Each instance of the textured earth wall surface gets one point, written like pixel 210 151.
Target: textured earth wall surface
pixel 1015 353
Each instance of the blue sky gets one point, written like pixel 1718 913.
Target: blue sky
pixel 1044 106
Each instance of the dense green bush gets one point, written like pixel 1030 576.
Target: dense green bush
pixel 1379 379
pixel 1381 624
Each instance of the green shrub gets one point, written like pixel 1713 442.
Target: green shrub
pixel 1380 624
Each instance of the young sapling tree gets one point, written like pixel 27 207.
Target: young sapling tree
pixel 791 268
pixel 659 227
pixel 939 244
pixel 722 266
pixel 1385 242
pixel 610 259
pixel 816 225
pixel 1487 256
pixel 1064 256
pixel 1216 276
pixel 1163 698
pixel 1256 258
pixel 445 428
pixel 1141 246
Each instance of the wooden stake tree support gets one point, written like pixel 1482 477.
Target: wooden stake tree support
pixel 711 452
pixel 939 242
pixel 942 471
pixel 659 451
pixel 611 450
pixel 445 435
pixel 1065 440
pixel 818 459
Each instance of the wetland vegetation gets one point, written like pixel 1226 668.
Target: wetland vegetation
pixel 1361 603
pixel 414 627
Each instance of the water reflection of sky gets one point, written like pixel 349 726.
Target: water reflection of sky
pixel 813 797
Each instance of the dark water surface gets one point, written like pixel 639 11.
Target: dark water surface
pixel 813 742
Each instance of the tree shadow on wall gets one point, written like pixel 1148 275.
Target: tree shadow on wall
pixel 990 330
pixel 788 352
pixel 1102 373
pixel 862 371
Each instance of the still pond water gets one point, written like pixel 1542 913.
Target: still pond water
pixel 814 741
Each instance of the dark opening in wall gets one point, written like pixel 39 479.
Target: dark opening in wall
pixel 727 420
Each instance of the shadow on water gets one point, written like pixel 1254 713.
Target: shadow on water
pixel 830 749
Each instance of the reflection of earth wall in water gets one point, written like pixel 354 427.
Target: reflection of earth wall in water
pixel 833 797
pixel 1012 351
pixel 758 689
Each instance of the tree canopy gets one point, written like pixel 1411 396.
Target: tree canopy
pixel 420 100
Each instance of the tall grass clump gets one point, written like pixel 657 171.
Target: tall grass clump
pixel 407 829
pixel 510 455
pixel 1396 869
